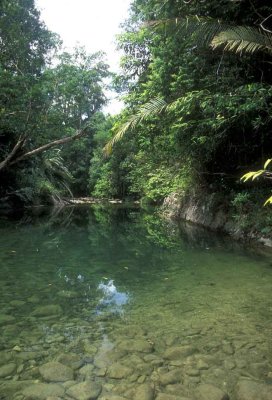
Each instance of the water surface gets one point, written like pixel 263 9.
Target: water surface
pixel 133 305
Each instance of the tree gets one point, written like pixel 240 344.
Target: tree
pixel 194 113
pixel 41 106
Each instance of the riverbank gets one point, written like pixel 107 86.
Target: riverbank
pixel 211 210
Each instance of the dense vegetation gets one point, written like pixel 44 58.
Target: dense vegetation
pixel 43 106
pixel 196 117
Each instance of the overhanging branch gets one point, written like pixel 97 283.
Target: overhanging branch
pixel 10 160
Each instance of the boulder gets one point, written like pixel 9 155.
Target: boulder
pixel 165 396
pixel 85 391
pixel 72 360
pixel 41 391
pixel 47 311
pixel 144 392
pixel 207 391
pixel 119 371
pixel 140 345
pixel 56 372
pixel 6 319
pixel 252 390
pixel 179 352
pixel 7 370
pixel 170 377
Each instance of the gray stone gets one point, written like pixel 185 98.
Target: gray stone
pixel 139 345
pixel 7 370
pixel 41 391
pixel 72 360
pixel 85 391
pixel 47 311
pixel 253 390
pixel 179 352
pixel 207 391
pixel 56 372
pixel 170 377
pixel 119 371
pixel 144 392
pixel 6 319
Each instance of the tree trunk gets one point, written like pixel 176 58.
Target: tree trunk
pixel 10 160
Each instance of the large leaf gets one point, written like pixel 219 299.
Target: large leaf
pixel 201 29
pixel 153 107
pixel 243 39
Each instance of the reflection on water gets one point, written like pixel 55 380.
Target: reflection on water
pixel 134 306
pixel 112 300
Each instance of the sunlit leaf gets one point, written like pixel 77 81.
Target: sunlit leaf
pixel 258 173
pixel 267 163
pixel 268 201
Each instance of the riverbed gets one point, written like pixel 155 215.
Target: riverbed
pixel 116 303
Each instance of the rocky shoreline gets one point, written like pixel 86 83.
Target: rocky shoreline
pixel 204 210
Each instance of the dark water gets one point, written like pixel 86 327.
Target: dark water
pixel 133 306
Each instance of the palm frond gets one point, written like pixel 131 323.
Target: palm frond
pixel 153 107
pixel 243 38
pixel 201 29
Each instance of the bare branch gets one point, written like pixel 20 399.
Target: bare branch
pixel 15 149
pixel 8 160
pixel 261 25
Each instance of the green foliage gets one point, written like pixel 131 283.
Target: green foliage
pixel 193 117
pixel 252 175
pixel 243 39
pixel 40 103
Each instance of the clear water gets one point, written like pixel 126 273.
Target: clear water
pixel 141 306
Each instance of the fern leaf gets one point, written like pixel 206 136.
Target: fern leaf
pixel 202 29
pixel 248 176
pixel 267 163
pixel 154 107
pixel 243 38
pixel 268 201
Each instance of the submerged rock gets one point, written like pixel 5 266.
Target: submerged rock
pixel 67 294
pixel 72 360
pixel 7 370
pixel 253 390
pixel 6 319
pixel 5 357
pixel 17 303
pixel 207 391
pixel 56 372
pixel 144 392
pixel 47 311
pixel 119 371
pixel 179 352
pixel 41 391
pixel 85 391
pixel 166 396
pixel 170 377
pixel 8 388
pixel 140 345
